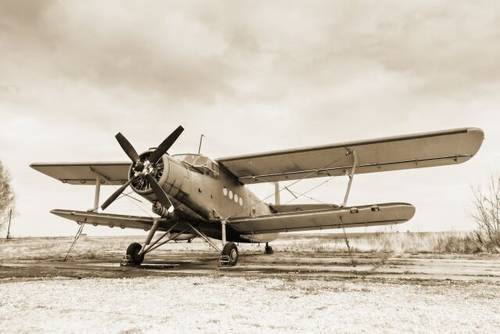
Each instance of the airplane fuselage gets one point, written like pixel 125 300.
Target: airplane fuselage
pixel 203 193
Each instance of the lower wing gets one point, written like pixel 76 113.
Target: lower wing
pixel 359 216
pixel 112 220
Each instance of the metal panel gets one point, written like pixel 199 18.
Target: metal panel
pixel 380 155
pixel 282 208
pixel 81 173
pixel 360 216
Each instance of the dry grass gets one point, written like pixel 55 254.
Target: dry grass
pixel 395 243
pixel 423 242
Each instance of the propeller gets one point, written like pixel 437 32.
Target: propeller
pixel 160 194
pixel 143 169
pixel 117 193
pixel 165 145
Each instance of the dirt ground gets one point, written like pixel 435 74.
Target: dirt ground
pixel 296 289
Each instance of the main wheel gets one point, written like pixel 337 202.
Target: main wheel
pixel 268 249
pixel 229 255
pixel 133 254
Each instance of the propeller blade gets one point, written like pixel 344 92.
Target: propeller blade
pixel 115 195
pixel 160 194
pixel 165 145
pixel 127 147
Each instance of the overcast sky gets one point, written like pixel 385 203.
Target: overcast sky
pixel 252 76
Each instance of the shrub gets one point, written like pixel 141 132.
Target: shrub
pixel 487 216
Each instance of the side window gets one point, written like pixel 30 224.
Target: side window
pixel 236 198
pixel 224 191
pixel 230 194
pixel 241 201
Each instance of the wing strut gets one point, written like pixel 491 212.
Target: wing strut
pixel 97 193
pixel 95 208
pixel 77 235
pixel 350 174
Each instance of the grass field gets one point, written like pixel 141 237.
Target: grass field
pixel 389 283
pixel 398 243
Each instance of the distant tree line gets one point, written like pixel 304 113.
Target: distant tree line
pixel 6 196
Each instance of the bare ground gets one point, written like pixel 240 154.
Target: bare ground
pixel 296 289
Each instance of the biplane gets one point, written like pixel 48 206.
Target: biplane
pixel 194 196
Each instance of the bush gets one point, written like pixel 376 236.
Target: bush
pixel 461 244
pixel 487 216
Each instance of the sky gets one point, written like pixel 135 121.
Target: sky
pixel 252 76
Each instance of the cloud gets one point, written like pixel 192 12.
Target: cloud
pixel 207 52
pixel 251 76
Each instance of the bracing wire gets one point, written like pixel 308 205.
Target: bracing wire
pixel 299 180
pixel 139 206
pixel 304 194
pixel 129 196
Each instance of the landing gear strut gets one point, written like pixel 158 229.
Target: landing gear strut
pixel 268 249
pixel 136 251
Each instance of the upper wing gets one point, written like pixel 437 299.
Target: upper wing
pixel 111 220
pixel 367 215
pixel 86 172
pixel 379 155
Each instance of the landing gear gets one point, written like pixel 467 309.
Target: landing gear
pixel 136 252
pixel 134 256
pixel 229 255
pixel 268 249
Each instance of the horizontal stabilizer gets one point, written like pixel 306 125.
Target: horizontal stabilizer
pixel 356 216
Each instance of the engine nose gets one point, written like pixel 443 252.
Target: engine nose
pixel 147 170
pixel 142 167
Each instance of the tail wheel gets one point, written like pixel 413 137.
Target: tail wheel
pixel 230 253
pixel 133 254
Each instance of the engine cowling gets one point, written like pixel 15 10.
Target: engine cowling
pixel 168 172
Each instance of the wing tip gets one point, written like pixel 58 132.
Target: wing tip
pixel 475 138
pixel 409 209
pixel 35 165
pixel 60 212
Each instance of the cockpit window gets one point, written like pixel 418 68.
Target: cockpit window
pixel 199 163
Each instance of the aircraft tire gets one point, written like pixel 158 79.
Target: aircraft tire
pixel 133 254
pixel 231 251
pixel 268 249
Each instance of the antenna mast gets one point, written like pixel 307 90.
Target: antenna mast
pixel 201 141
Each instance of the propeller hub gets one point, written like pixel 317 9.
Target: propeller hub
pixel 139 166
pixel 144 167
